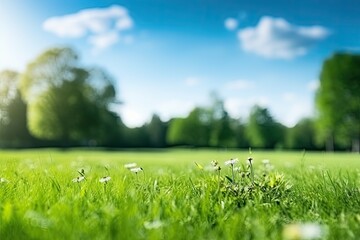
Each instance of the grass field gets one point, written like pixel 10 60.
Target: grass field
pixel 297 195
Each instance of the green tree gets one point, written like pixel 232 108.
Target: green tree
pixel 112 130
pixel 338 101
pixel 204 126
pixel 222 132
pixel 175 134
pixel 193 130
pixel 66 101
pixel 136 137
pixel 13 118
pixel 262 131
pixel 240 134
pixel 302 135
pixel 156 130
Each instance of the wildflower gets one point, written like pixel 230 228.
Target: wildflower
pixel 82 172
pixel 267 165
pixel 78 179
pixel 304 231
pixel 250 159
pixel 130 165
pixel 136 170
pixel 105 179
pixel 153 225
pixel 210 168
pixel 37 219
pixel 237 169
pixel 266 162
pixel 3 180
pixel 214 163
pixel 222 205
pixel 231 162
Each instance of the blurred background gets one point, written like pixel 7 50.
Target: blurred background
pixel 195 73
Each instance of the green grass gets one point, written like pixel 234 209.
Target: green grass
pixel 174 199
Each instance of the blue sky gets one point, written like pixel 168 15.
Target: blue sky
pixel 167 56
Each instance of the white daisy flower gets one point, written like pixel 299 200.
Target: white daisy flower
pixel 231 162
pixel 78 179
pixel 266 161
pixel 105 179
pixel 237 169
pixel 304 231
pixel 214 163
pixel 130 165
pixel 136 170
pixel 210 168
pixel 3 180
pixel 153 225
pixel 267 165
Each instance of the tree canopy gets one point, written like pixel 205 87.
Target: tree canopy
pixel 302 135
pixel 13 118
pixel 65 100
pixel 57 101
pixel 192 130
pixel 262 130
pixel 338 101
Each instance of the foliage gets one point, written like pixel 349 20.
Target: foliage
pixel 59 102
pixel 302 135
pixel 262 130
pixel 13 118
pixel 57 89
pixel 192 130
pixel 135 137
pixel 338 100
pixel 204 126
pixel 222 131
pixel 156 130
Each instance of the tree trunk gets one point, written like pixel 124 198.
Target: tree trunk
pixel 356 145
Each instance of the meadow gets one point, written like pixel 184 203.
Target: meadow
pixel 178 194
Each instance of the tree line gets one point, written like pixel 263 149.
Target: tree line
pixel 58 102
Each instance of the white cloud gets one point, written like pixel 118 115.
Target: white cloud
pixel 102 41
pixel 240 107
pixel 294 110
pixel 192 81
pixel 231 24
pixel 288 109
pixel 124 23
pixel 136 113
pixel 175 108
pixel 239 85
pixel 291 107
pixel 134 117
pixel 277 38
pixel 101 26
pixel 313 85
